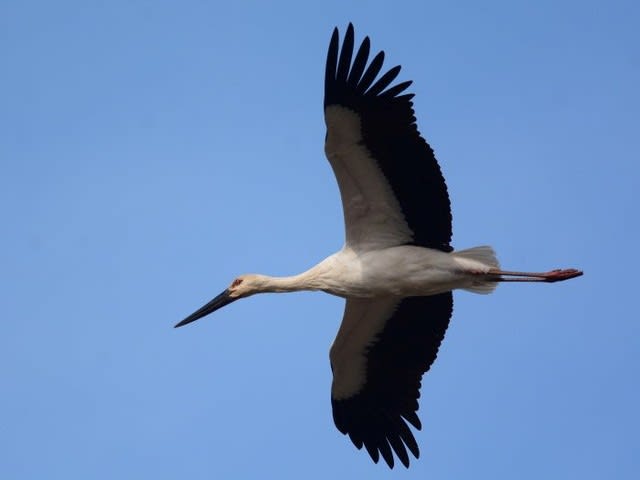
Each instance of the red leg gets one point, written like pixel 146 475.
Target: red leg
pixel 557 275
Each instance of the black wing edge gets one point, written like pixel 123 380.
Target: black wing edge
pixel 377 416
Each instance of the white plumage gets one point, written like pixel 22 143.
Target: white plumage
pixel 397 269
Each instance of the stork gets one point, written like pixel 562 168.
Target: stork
pixel 397 268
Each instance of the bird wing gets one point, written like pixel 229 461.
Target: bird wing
pixel 392 189
pixel 382 349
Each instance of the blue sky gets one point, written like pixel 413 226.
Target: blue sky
pixel 151 151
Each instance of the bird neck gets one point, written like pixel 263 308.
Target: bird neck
pixel 294 283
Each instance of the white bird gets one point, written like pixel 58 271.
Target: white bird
pixel 397 269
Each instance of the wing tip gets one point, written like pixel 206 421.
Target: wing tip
pixel 385 435
pixel 346 77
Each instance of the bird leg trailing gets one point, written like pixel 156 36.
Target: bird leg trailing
pixel 557 275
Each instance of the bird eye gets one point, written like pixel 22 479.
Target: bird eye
pixel 236 282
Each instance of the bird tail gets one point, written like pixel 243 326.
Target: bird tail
pixel 481 258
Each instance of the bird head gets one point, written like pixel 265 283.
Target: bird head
pixel 240 287
pixel 246 285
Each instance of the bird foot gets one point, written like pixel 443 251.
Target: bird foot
pixel 559 275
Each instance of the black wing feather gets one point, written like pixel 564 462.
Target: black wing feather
pixel 396 89
pixel 384 81
pixel 359 63
pixel 345 55
pixel 369 76
pixel 332 58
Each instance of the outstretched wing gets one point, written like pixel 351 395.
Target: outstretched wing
pixel 382 349
pixel 392 189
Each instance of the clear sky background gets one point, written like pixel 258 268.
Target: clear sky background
pixel 150 151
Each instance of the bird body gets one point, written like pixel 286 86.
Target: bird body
pixel 402 271
pixel 397 269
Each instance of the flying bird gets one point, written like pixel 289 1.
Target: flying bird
pixel 397 268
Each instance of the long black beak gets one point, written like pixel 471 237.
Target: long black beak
pixel 218 302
